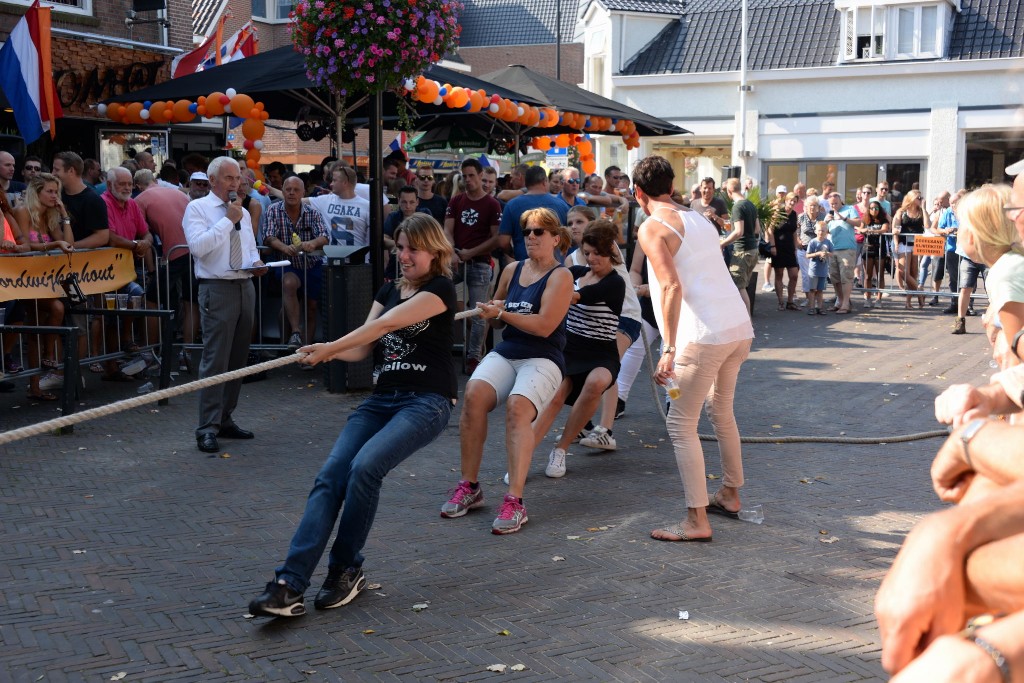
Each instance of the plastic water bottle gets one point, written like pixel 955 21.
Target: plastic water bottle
pixel 754 514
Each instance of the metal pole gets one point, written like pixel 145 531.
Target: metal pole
pixel 558 39
pixel 376 191
pixel 743 87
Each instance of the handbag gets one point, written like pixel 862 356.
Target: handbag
pixel 764 248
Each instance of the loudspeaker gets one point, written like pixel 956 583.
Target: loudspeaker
pixel 731 172
pixel 348 296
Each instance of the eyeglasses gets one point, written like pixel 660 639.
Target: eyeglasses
pixel 425 177
pixel 536 232
pixel 573 181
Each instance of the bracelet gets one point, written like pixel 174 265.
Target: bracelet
pixel 969 432
pixel 998 658
pixel 498 317
pixel 1016 342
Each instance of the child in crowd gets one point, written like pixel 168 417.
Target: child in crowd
pixel 817 265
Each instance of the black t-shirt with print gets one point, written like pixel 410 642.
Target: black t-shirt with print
pixel 87 210
pixel 418 357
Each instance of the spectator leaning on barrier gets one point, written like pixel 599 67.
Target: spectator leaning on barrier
pixel 87 213
pixel 842 223
pixel 296 230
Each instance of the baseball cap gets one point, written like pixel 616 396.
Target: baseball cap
pixel 199 175
pixel 781 188
pixel 1015 169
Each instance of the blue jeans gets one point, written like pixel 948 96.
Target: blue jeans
pixel 381 433
pixel 478 280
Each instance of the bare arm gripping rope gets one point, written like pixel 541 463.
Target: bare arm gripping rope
pixel 170 392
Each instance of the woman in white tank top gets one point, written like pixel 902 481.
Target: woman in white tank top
pixel 707 335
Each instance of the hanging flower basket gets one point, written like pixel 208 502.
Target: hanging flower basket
pixel 355 48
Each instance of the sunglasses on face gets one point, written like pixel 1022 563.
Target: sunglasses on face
pixel 425 177
pixel 536 232
pixel 33 168
pixel 573 181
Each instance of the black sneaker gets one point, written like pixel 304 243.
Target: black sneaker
pixel 340 587
pixel 278 600
pixel 620 408
pixel 950 310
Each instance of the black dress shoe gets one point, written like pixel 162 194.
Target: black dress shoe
pixel 207 443
pixel 235 432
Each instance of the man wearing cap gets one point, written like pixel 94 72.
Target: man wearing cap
pixel 220 237
pixel 198 185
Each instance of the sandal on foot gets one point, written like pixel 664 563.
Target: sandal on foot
pixel 782 306
pixel 716 508
pixel 792 306
pixel 49 364
pixel 41 396
pixel 677 530
pixel 132 347
pixel 97 368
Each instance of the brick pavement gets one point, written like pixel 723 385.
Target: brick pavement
pixel 127 550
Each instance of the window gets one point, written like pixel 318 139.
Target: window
pixel 914 31
pixel 69 6
pixel 272 10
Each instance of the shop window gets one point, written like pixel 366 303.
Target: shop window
pixel 69 6
pixel 782 174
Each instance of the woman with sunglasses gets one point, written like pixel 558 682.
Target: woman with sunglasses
pixel 524 370
pixel 876 224
pixel 910 219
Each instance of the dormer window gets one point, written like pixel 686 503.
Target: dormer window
pixel 879 30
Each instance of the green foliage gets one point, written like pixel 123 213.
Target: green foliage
pixel 769 213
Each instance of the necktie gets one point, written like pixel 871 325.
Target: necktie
pixel 235 259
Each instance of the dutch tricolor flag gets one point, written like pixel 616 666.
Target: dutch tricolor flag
pixel 26 75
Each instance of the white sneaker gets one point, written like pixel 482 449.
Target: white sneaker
pixel 600 438
pixel 506 479
pixel 51 381
pixel 766 287
pixel 133 366
pixel 556 463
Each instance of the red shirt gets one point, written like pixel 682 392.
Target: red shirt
pixel 164 210
pixel 125 220
pixel 474 220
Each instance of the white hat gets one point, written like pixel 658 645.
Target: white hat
pixel 781 189
pixel 1015 169
pixel 199 175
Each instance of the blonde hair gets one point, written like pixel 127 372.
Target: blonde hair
pixel 426 234
pixel 590 213
pixel 909 199
pixel 44 219
pixel 981 212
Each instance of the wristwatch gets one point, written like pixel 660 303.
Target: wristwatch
pixel 969 432
pixel 668 350
pixel 1016 342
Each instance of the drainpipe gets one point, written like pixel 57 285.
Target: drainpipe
pixel 743 87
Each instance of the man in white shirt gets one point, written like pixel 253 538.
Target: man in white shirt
pixel 220 237
pixel 346 214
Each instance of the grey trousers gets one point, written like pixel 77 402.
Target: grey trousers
pixel 227 309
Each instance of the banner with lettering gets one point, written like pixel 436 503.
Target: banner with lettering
pixel 39 276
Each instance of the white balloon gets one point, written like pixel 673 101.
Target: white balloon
pixel 144 114
pixel 230 92
pixel 438 100
pixel 227 108
pixel 520 111
pixel 493 108
pixel 258 144
pixel 101 109
pixel 409 84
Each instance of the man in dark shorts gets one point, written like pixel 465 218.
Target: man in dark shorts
pixel 745 230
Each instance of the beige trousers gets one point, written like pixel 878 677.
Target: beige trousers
pixel 707 372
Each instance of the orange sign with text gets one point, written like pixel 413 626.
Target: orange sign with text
pixel 928 245
pixel 39 276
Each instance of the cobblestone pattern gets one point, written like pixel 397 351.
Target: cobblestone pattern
pixel 127 550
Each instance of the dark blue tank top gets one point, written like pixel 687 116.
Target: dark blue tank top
pixel 516 344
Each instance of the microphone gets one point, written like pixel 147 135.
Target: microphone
pixel 232 198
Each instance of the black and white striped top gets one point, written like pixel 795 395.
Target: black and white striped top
pixel 595 317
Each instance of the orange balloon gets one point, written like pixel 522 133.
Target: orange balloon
pixel 132 112
pixel 213 104
pixel 562 140
pixel 589 167
pixel 252 163
pixel 264 115
pixel 253 129
pixel 156 113
pixel 241 105
pixel 585 147
pixel 253 154
pixel 475 101
pixel 114 112
pixel 181 112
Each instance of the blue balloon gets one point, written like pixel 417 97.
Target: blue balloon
pixel 193 107
pixel 467 106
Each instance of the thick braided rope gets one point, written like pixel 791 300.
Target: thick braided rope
pixel 170 392
pixel 153 397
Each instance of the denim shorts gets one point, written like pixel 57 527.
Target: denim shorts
pixel 630 328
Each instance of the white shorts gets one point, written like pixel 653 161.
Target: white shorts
pixel 534 378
